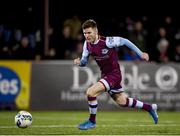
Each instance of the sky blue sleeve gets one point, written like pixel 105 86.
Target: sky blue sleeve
pixel 112 42
pixel 85 55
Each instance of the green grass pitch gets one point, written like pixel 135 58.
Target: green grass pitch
pixel 108 123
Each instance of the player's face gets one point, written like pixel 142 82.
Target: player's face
pixel 90 34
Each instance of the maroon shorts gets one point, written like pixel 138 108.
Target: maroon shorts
pixel 112 83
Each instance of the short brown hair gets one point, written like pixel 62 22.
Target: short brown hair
pixel 89 23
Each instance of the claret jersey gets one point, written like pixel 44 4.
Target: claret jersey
pixel 106 56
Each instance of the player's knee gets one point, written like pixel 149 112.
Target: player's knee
pixel 122 103
pixel 89 92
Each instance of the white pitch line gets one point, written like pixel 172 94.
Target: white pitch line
pixel 106 120
pixel 72 126
pixel 84 135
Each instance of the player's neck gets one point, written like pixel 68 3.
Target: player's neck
pixel 96 39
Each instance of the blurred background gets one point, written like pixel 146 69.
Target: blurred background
pixel 45 29
pixel 40 38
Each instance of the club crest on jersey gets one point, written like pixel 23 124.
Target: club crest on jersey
pixel 104 51
pixel 110 40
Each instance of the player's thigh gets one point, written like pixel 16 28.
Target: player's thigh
pixel 120 98
pixel 95 90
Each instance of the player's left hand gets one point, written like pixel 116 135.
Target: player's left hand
pixel 145 56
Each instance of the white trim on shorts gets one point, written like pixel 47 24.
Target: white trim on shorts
pixel 106 84
pixel 111 92
pixel 117 91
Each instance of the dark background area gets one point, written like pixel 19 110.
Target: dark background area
pixel 111 17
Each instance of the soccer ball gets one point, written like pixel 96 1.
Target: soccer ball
pixel 23 119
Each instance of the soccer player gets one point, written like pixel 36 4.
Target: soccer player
pixel 103 51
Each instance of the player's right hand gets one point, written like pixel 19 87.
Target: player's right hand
pixel 77 61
